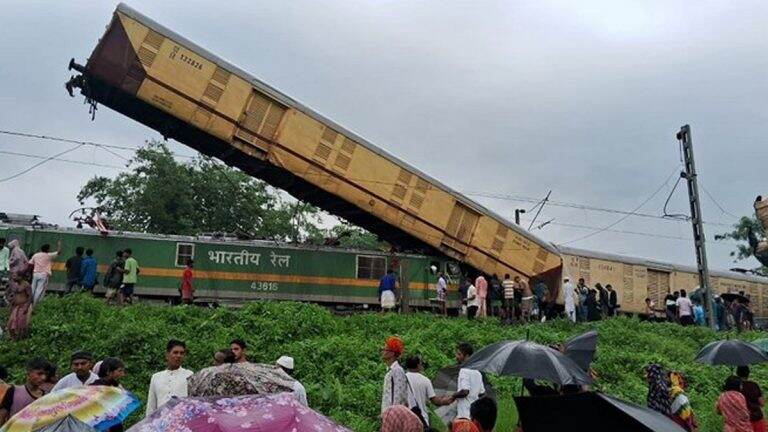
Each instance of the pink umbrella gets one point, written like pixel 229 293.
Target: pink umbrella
pixel 263 413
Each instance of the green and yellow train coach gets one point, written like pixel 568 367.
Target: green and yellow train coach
pixel 232 271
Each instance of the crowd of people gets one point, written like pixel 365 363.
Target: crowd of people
pixel 406 394
pixel 740 403
pixel 735 313
pixel 42 377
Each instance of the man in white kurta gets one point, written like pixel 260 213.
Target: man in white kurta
pixel 286 363
pixel 172 381
pixel 570 304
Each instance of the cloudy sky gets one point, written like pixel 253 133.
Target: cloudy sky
pixel 508 98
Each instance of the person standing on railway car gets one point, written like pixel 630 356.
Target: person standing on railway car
pixel 395 389
pixel 481 285
pixel 41 270
pixel 73 269
pixel 130 277
pixel 387 291
pixel 187 288
pixel 88 271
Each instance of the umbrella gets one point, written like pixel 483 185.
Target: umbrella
pixel 264 413
pixel 67 424
pixel 729 297
pixel 762 344
pixel 527 359
pixel 98 406
pixel 239 379
pixel 447 382
pixel 731 353
pixel 582 411
pixel 581 349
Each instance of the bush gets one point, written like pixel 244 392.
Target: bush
pixel 338 358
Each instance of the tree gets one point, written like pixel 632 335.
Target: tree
pixel 741 233
pixel 161 195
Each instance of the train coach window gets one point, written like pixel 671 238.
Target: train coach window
pixel 371 267
pixel 183 252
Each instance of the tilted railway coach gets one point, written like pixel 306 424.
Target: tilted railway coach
pixel 157 77
pixel 233 271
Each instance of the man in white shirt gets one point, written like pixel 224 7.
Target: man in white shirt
pixel 420 388
pixel 442 293
pixel 286 364
pixel 570 304
pixel 685 309
pixel 473 301
pixel 81 376
pixel 470 386
pixel 172 382
pixel 395 389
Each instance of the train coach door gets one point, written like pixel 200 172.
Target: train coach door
pixel 658 287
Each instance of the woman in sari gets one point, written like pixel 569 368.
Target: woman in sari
pixel 17 264
pixel 733 407
pixel 681 410
pixel 21 307
pixel 658 389
pixel 399 418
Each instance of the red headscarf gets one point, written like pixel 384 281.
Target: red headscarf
pixel 395 344
pixel 464 425
pixel 398 418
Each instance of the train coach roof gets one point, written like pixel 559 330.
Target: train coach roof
pixel 202 239
pixel 290 102
pixel 652 264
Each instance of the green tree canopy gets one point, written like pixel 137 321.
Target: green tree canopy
pixel 162 195
pixel 740 233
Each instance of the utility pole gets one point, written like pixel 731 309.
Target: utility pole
pixel 405 274
pixel 686 142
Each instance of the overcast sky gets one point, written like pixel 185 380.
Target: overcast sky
pixel 509 97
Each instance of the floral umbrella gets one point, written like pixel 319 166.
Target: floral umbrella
pixel 266 413
pixel 239 379
pixel 98 406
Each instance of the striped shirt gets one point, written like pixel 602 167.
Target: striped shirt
pixel 509 289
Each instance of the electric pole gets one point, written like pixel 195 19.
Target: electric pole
pixel 686 142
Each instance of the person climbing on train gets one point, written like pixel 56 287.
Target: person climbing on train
pixel 387 291
pixel 41 263
pixel 187 279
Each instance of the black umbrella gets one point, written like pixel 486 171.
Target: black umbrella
pixel 527 359
pixel 731 353
pixel 729 297
pixel 581 349
pixel 589 411
pixel 67 424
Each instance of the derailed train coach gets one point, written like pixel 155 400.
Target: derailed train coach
pixel 230 271
pixel 157 77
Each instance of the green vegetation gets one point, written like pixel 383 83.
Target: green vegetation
pixel 338 358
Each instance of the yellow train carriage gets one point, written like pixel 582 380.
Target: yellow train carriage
pixel 636 279
pixel 149 73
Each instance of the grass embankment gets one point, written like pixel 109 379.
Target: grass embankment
pixel 338 358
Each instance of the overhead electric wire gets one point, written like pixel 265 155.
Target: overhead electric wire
pixel 72 161
pixel 722 209
pixel 44 161
pixel 623 218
